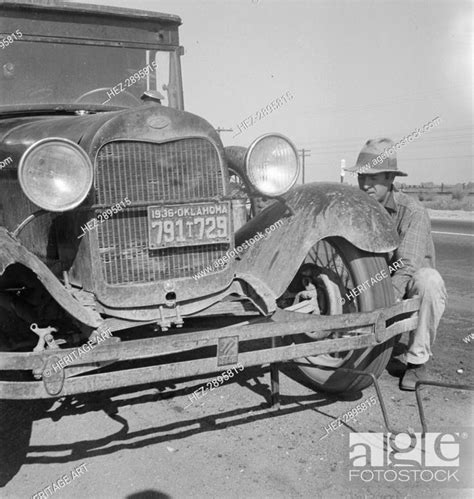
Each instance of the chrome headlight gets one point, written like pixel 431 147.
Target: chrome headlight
pixel 272 165
pixel 55 174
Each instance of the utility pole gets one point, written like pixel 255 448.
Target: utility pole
pixel 304 153
pixel 219 130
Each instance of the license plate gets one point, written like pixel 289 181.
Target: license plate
pixel 174 225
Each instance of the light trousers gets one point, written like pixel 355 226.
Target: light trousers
pixel 428 284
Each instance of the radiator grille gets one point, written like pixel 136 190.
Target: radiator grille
pixel 183 170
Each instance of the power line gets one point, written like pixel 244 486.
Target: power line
pixel 326 142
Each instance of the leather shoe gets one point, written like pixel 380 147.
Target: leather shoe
pixel 413 373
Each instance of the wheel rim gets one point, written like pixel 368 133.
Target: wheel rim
pixel 346 267
pixel 332 282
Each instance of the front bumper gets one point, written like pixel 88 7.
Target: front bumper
pixel 362 330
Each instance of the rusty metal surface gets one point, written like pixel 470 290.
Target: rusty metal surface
pixel 284 324
pixel 94 130
pixel 91 132
pixel 257 291
pixel 192 307
pixel 63 8
pixel 89 23
pixel 182 179
pixel 131 377
pixel 321 210
pixel 235 156
pixel 14 252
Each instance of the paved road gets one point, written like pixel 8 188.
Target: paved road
pixel 229 444
pixel 457 227
pixel 454 245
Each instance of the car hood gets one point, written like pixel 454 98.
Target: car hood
pixel 150 122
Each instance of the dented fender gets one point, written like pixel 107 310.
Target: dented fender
pixel 11 252
pixel 320 210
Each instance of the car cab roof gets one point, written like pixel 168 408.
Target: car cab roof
pixel 89 23
pixel 98 10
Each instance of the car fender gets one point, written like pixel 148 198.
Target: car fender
pixel 13 252
pixel 275 242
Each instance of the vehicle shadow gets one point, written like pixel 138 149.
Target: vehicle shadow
pixel 16 423
pixel 19 431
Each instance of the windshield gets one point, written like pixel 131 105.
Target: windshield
pixel 40 73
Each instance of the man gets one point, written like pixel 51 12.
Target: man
pixel 376 170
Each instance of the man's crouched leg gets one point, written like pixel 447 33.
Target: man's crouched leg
pixel 428 284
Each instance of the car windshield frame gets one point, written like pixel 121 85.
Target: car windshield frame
pixel 121 87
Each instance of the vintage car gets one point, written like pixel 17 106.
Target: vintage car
pixel 128 252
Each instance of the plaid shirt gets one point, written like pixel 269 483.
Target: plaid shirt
pixel 416 247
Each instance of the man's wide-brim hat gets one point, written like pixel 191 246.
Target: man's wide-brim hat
pixel 377 156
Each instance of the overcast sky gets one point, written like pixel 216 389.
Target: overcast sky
pixel 356 69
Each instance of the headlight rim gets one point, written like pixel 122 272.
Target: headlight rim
pixel 74 145
pixel 249 153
